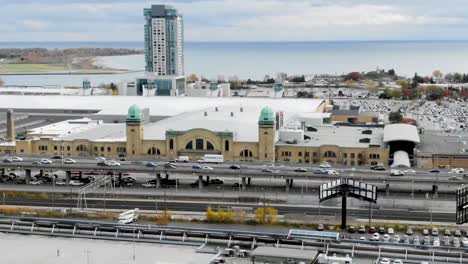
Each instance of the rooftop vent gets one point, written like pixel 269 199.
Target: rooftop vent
pixel 205 113
pixel 216 109
pixel 367 132
pixel 242 109
pixel 232 113
pixel 364 140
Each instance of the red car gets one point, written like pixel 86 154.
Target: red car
pixel 372 230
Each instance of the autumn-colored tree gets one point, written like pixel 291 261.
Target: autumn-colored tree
pixel 192 78
pixel 437 74
pixel 354 76
pixel 266 215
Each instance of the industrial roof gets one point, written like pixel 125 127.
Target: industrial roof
pixel 440 142
pixel 284 253
pixel 342 136
pixel 64 128
pixel 401 132
pixel 158 105
pixel 243 125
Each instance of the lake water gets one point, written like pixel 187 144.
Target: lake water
pixel 256 59
pixel 21 249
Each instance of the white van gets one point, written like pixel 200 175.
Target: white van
pixel 211 158
pixel 182 159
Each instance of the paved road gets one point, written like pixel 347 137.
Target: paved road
pixel 253 170
pixel 195 206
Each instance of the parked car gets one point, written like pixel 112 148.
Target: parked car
pixel 434 231
pixel 390 231
pixel 381 230
pixel 300 170
pixel 320 227
pixel 372 230
pixel 386 238
pixel 234 167
pixel 425 232
pixel 375 237
pixel 416 240
pixel 457 233
pixel 406 239
pixel 352 229
pixel 69 161
pixel 362 229
pixel 456 242
pixel 447 232
pixel 384 261
pixel 409 231
pixel 396 238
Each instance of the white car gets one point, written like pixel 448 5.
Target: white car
pixel 396 238
pixel 390 231
pixel 397 173
pixel 375 237
pixel 325 165
pixel 207 168
pixel 457 171
pixel 35 182
pixel 69 161
pixel 409 171
pixel 397 261
pixel 148 185
pixel 386 237
pixel 76 183
pixel 332 172
pixel 17 159
pixel 61 183
pixel 100 158
pixel 46 161
pixel 112 163
pixel 384 261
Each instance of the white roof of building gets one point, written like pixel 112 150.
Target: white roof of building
pixel 401 132
pixel 342 136
pixel 101 133
pixel 158 105
pixel 243 125
pixel 401 159
pixel 65 128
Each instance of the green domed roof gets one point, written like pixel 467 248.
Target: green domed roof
pixel 134 113
pixel 266 116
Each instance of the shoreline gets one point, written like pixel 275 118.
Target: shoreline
pixel 78 72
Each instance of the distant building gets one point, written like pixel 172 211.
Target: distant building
pixel 164 37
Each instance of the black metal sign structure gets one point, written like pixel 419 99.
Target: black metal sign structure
pixel 462 205
pixel 344 188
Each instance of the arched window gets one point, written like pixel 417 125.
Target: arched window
pixel 209 146
pixel 226 145
pixel 189 145
pixel 246 153
pixel 199 144
pixel 153 151
pixel 171 144
pixel 329 154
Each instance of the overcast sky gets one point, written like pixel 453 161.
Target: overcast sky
pixel 238 20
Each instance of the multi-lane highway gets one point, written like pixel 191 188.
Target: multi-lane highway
pixel 248 170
